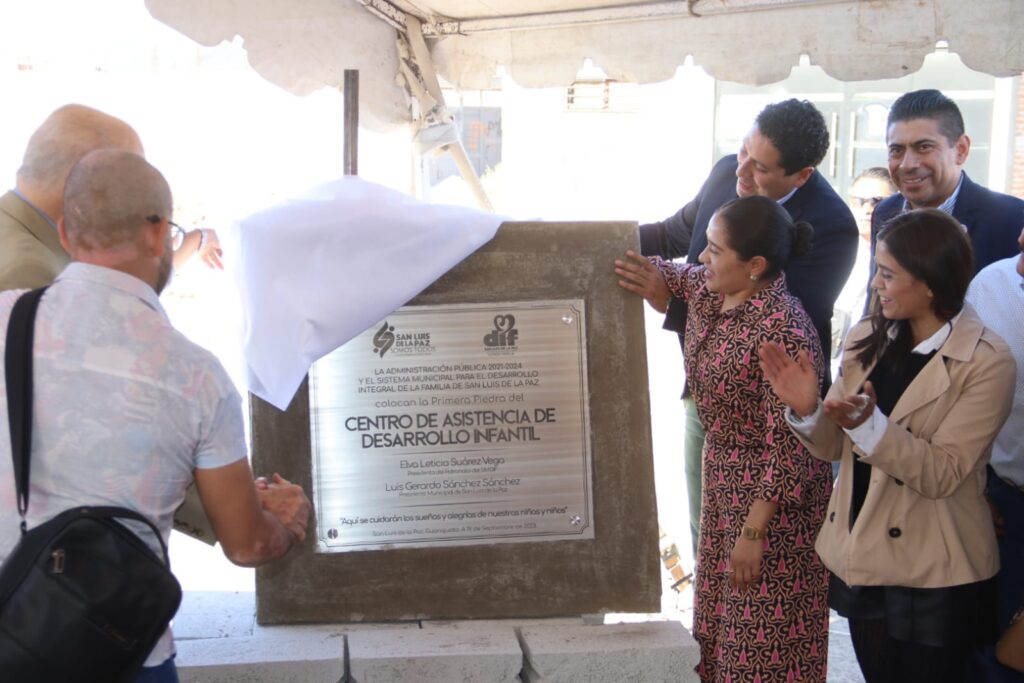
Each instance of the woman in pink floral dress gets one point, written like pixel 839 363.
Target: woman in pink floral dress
pixel 761 591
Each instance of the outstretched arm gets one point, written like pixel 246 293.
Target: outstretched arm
pixel 250 532
pixel 671 237
pixel 638 275
pixel 202 242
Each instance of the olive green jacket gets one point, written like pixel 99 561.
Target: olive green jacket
pixel 30 252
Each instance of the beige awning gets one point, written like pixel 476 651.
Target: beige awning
pixel 302 45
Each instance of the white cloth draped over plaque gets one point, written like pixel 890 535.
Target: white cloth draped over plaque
pixel 314 271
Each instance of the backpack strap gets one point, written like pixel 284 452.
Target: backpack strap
pixel 18 369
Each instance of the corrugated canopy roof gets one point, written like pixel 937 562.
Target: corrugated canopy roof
pixel 302 45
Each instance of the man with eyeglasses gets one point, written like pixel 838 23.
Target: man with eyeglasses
pixel 201 242
pixel 135 412
pixel 867 191
pixel 30 252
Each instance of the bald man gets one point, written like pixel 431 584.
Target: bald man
pixel 134 439
pixel 30 252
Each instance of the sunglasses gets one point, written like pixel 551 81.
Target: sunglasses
pixel 861 202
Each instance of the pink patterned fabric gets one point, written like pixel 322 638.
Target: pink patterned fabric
pixel 778 630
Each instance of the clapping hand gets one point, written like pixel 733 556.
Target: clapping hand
pixel 853 411
pixel 795 382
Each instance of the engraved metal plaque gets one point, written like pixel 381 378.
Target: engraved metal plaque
pixel 454 425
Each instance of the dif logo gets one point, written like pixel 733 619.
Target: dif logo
pixel 384 339
pixel 504 335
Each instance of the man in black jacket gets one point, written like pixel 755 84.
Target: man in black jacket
pixel 777 159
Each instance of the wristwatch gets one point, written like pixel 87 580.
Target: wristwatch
pixel 752 533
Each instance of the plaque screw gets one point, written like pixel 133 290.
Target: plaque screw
pixel 332 533
pixel 568 319
pixel 575 520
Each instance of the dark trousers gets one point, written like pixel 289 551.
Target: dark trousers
pixel 883 659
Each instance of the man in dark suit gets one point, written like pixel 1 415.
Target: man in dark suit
pixel 927 151
pixel 777 159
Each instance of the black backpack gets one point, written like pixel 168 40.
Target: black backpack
pixel 82 598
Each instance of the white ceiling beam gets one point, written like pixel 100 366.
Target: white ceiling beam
pixel 608 15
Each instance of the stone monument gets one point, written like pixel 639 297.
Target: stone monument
pixel 483 452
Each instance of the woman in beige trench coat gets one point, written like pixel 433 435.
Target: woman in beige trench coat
pixel 923 389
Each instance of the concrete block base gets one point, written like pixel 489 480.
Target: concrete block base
pixel 642 652
pixel 218 641
pixel 463 652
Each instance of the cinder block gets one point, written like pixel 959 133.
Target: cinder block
pixel 497 624
pixel 453 653
pixel 646 652
pixel 282 654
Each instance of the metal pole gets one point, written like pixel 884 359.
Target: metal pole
pixel 351 122
pixel 465 167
